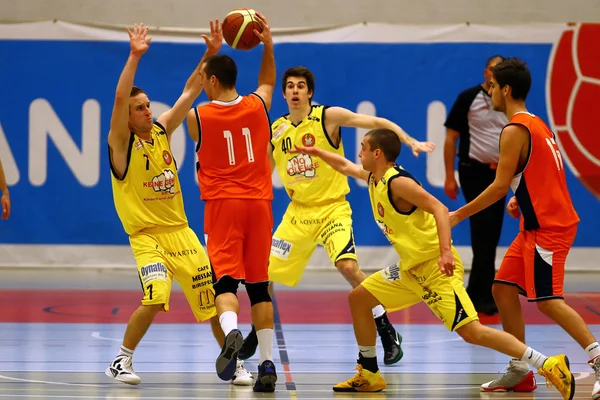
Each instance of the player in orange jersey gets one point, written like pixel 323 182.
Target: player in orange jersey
pixel 534 265
pixel 233 133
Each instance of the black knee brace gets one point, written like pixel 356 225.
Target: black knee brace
pixel 226 284
pixel 258 292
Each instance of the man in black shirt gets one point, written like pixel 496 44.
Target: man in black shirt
pixel 478 126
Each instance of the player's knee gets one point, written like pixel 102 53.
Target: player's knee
pixel 471 332
pixel 357 298
pixel 226 284
pixel 502 291
pixel 347 267
pixel 548 307
pixel 152 309
pixel 258 292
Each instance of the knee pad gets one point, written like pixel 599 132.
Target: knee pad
pixel 258 292
pixel 226 284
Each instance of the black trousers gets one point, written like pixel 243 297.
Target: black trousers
pixel 486 227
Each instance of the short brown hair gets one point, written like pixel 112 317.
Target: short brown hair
pixel 135 91
pixel 299 72
pixel 385 140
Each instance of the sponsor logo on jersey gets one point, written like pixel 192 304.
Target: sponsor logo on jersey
pixel 164 182
pixel 279 130
pixel 280 248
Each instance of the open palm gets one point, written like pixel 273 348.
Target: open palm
pixel 215 41
pixel 139 39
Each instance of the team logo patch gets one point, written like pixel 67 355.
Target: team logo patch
pixel 167 157
pixel 138 144
pixel 380 209
pixel 308 140
pixel 277 132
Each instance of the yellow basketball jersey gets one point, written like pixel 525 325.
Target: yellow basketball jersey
pixel 149 195
pixel 413 234
pixel 307 179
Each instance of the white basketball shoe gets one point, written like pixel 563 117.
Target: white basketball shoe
pixel 122 370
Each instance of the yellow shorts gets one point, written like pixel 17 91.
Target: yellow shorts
pixel 174 253
pixel 299 233
pixel 445 295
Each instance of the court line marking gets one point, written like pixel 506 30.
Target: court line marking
pixel 120 397
pixel 228 389
pixel 98 335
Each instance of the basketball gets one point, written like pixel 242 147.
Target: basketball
pixel 238 29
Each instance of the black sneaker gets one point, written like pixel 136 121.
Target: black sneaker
pixel 227 361
pixel 267 376
pixel 250 344
pixel 391 340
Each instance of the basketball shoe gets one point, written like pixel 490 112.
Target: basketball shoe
pixel 226 363
pixel 121 369
pixel 557 373
pixel 595 364
pixel 267 376
pixel 363 381
pixel 242 377
pixel 516 379
pixel 250 344
pixel 390 340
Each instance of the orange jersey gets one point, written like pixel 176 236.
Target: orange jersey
pixel 232 149
pixel 541 188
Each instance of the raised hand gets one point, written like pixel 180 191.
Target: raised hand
pixel 138 39
pixel 265 36
pixel 215 41
pixel 418 147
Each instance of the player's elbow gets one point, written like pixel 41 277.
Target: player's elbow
pixel 500 188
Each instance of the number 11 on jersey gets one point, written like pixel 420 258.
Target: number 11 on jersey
pixel 230 149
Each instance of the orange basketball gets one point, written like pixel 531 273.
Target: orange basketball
pixel 238 29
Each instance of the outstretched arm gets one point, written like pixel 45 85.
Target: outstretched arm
pixel 512 141
pixel 172 118
pixel 267 75
pixel 338 116
pixel 4 195
pixel 337 162
pixel 118 136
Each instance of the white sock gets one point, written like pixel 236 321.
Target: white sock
pixel 125 351
pixel 593 350
pixel 368 351
pixel 265 345
pixel 534 358
pixel 228 321
pixel 378 311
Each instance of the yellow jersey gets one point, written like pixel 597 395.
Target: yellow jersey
pixel 413 234
pixel 149 195
pixel 306 178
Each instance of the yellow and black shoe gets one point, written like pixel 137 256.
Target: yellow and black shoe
pixel 363 381
pixel 557 373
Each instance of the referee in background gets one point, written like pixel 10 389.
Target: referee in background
pixel 477 127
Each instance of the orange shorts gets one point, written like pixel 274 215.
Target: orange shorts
pixel 238 238
pixel 535 262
